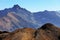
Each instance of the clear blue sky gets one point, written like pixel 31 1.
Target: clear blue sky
pixel 32 5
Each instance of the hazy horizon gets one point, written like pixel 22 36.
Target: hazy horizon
pixel 32 5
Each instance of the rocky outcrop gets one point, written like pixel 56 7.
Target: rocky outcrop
pixel 46 32
pixel 3 34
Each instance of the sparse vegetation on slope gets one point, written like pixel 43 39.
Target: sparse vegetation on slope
pixel 46 32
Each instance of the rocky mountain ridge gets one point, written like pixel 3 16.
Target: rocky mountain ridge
pixel 17 17
pixel 46 32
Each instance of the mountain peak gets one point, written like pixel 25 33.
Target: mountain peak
pixel 45 10
pixel 47 26
pixel 16 6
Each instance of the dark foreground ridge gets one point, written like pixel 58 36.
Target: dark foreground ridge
pixel 46 32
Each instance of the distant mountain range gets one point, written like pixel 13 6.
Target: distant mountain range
pixel 17 17
pixel 47 17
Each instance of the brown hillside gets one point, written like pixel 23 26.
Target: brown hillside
pixel 46 32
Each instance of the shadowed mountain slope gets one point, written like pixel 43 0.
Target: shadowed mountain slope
pixel 17 17
pixel 43 17
pixel 14 18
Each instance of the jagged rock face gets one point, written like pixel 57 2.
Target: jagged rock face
pixel 46 32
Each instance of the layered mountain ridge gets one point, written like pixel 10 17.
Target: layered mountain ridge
pixel 17 17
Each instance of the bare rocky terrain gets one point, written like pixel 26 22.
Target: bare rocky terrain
pixel 47 32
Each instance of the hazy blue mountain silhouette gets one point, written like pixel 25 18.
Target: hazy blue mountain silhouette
pixel 47 17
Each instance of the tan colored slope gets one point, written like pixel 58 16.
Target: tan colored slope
pixel 46 32
pixel 22 34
